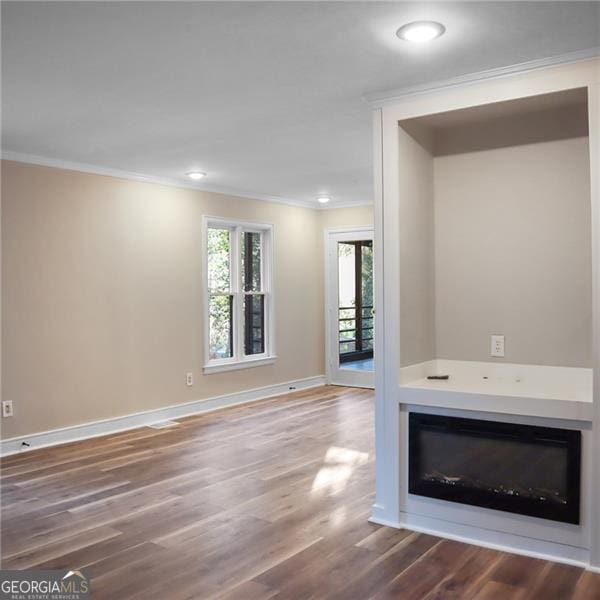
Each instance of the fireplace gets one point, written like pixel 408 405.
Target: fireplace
pixel 521 469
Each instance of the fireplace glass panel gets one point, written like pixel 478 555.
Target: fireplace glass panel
pixel 516 468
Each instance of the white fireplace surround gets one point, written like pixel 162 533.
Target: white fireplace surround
pixel 555 396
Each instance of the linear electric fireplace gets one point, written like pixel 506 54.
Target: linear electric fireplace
pixel 521 469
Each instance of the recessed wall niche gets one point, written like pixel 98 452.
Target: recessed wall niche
pixel 495 233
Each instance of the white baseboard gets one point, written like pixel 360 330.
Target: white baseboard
pixel 378 516
pixel 386 523
pixel 85 431
pixel 510 543
pixel 593 569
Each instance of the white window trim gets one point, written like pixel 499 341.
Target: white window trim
pixel 239 360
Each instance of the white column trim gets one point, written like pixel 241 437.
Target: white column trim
pixel 594 145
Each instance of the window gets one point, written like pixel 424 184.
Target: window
pixel 238 295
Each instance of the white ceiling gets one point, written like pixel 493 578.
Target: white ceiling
pixel 266 97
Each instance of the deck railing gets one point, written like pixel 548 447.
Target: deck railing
pixel 355 332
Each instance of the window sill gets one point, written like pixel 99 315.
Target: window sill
pixel 240 364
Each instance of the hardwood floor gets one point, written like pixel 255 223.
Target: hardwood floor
pixel 268 500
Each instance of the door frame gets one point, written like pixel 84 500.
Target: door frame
pixel 333 374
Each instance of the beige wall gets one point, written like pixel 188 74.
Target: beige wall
pixel 417 290
pixel 357 216
pixel 513 253
pixel 102 302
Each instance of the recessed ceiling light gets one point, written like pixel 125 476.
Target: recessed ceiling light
pixel 323 199
pixel 420 31
pixel 196 175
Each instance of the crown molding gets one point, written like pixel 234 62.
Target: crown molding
pixel 378 99
pixel 55 163
pixel 58 163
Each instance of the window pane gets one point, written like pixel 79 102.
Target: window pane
pixel 251 257
pixel 367 273
pixel 221 327
pixel 347 347
pixel 219 267
pixel 347 335
pixel 347 324
pixel 347 275
pixel 348 314
pixel 254 324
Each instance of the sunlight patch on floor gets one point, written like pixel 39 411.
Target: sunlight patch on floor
pixel 338 466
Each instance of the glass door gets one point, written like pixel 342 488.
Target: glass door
pixel 350 308
pixel 355 310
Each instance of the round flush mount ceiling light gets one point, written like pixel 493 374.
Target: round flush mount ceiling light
pixel 196 175
pixel 323 199
pixel 420 31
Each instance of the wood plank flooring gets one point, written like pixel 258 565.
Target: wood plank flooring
pixel 267 500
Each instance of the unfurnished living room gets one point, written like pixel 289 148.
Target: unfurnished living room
pixel 300 300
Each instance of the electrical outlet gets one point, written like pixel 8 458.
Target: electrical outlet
pixel 189 379
pixel 497 346
pixel 7 408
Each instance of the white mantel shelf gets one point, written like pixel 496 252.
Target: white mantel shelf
pixel 502 388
